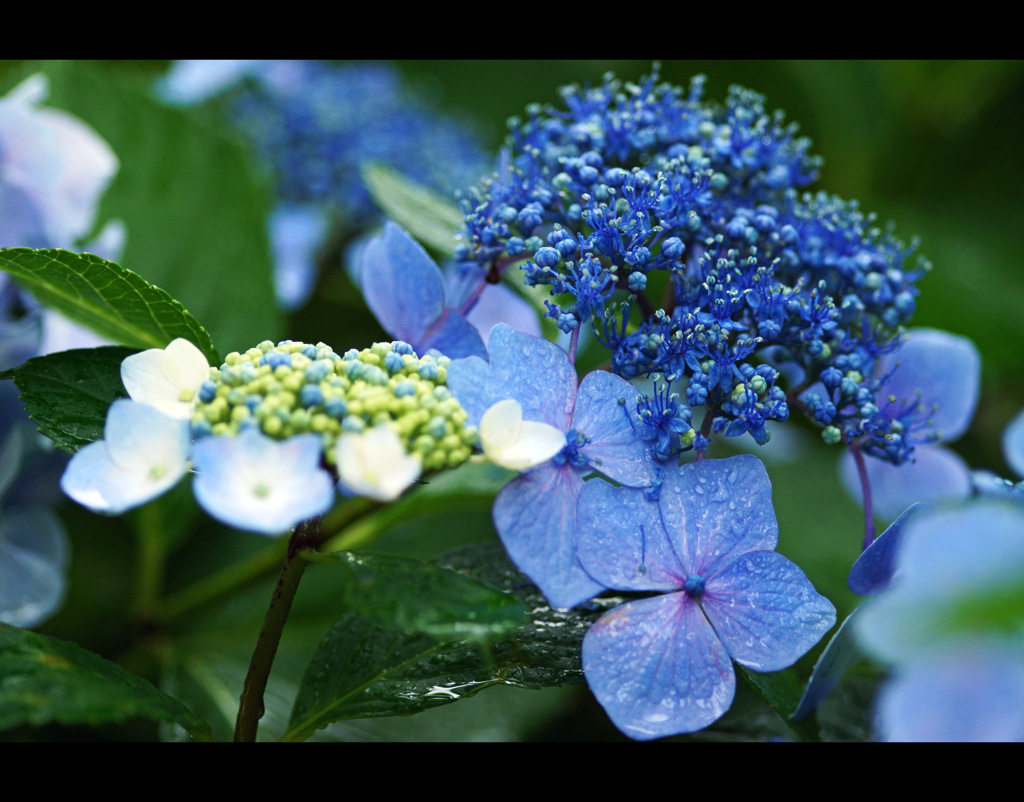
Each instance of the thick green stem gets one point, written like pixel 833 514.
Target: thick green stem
pixel 250 705
pixel 152 555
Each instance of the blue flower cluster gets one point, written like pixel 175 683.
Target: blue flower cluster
pixel 676 228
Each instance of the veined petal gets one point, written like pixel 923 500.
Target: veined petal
pixel 621 540
pixel 716 510
pixel 166 378
pixel 766 611
pixel 451 335
pixel 259 484
pixel 535 515
pixel 374 464
pixel 873 570
pixel 605 412
pixel 513 443
pixel 657 668
pixel 533 371
pixel 402 285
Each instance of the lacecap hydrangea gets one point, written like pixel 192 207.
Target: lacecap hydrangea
pixel 271 431
pixel 675 227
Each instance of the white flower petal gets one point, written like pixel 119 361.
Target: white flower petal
pixel 166 378
pixel 511 442
pixel 375 464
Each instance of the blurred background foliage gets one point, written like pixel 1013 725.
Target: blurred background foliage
pixel 935 146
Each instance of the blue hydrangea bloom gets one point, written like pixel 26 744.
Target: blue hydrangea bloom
pixel 663 665
pixel 406 291
pixel 950 624
pixel 535 513
pixel 927 396
pixel 260 484
pixel 33 544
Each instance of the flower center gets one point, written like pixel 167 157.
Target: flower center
pixel 574 441
pixel 694 585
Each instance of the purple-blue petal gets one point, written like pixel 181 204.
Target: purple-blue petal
pixel 533 371
pixel 606 414
pixel 402 284
pixel 716 510
pixel 535 515
pixel 657 668
pixel 944 369
pixel 1013 444
pixel 452 336
pixel 622 542
pixel 936 474
pixel 839 655
pixel 766 611
pixel 873 570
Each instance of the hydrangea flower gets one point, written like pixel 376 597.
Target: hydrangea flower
pixel 268 430
pixel 259 484
pixel 535 513
pixel 53 171
pixel 406 291
pixel 316 124
pixel 167 378
pixel 374 464
pixel 33 544
pixel 143 454
pixel 951 624
pixel 927 396
pixel 663 665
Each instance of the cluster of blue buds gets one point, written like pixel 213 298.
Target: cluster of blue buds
pixel 316 123
pixel 293 388
pixel 677 228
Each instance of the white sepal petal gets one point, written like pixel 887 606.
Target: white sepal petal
pixel 166 378
pixel 374 464
pixel 511 442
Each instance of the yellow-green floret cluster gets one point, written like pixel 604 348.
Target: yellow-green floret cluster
pixel 292 388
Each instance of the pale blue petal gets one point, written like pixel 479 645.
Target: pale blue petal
pixel 716 510
pixel 766 611
pixel 533 371
pixel 952 566
pixel 605 413
pixel 944 369
pixel 452 336
pixel 621 540
pixel 839 655
pixel 970 695
pixel 33 558
pixel 535 515
pixel 657 668
pixel 500 304
pixel 1013 444
pixel 143 455
pixel 259 484
pixel 296 235
pixel 937 474
pixel 401 283
pixel 191 81
pixel 873 570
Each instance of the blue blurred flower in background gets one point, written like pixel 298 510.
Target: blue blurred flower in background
pixel 316 124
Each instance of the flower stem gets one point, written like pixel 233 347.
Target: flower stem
pixel 865 486
pixel 250 705
pixel 574 339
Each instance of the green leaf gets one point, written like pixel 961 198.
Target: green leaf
pixel 68 394
pixel 362 669
pixel 428 216
pixel 419 598
pixel 109 299
pixel 189 195
pixel 44 680
pixel 782 691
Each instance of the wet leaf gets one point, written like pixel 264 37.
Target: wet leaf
pixel 68 394
pixel 362 669
pixel 45 680
pixel 105 297
pixel 782 690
